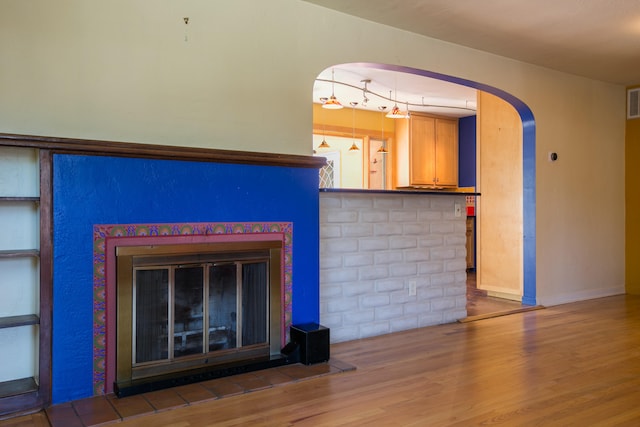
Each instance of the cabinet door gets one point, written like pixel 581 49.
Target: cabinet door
pixel 446 152
pixel 422 150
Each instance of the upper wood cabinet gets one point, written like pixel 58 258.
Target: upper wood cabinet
pixel 427 151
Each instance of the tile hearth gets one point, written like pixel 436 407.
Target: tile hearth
pixel 100 410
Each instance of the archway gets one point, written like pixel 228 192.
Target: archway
pixel 528 167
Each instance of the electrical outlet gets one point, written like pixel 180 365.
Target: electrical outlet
pixel 413 288
pixel 457 210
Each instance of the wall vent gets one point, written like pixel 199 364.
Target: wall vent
pixel 633 103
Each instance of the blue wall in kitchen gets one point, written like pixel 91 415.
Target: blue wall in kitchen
pixel 467 151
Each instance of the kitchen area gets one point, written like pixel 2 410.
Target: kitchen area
pixel 398 203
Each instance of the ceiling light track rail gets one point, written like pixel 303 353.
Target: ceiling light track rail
pixel 365 90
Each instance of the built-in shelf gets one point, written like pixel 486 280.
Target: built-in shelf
pixel 19 253
pixel 17 387
pixel 19 199
pixel 28 387
pixel 15 321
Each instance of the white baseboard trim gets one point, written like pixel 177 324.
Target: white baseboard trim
pixel 583 295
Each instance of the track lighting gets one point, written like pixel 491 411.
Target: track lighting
pixel 364 91
pixel 324 144
pixel 353 147
pixel 382 149
pixel 332 103
pixel 395 112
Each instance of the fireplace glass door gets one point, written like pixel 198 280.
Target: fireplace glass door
pixel 190 310
pixel 196 306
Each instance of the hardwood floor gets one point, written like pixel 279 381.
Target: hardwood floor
pixel 574 364
pixel 481 306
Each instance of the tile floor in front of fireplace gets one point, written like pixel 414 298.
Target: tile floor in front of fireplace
pixel 100 410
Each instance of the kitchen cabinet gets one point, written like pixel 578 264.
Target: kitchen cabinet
pixel 427 151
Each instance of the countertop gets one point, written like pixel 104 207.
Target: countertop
pixel 402 190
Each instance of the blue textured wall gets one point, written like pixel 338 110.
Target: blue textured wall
pixel 90 190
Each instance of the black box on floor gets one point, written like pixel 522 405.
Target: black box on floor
pixel 313 340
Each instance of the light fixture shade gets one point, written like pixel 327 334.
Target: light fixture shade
pixel 324 144
pixel 332 104
pixel 382 149
pixel 395 113
pixel 353 147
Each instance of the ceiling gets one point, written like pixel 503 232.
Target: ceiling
pixel 598 39
pixel 424 94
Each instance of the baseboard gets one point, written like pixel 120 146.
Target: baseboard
pixel 504 295
pixel 580 296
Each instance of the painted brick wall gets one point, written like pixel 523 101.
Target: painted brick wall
pixel 373 246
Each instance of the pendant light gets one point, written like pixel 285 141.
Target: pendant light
pixel 324 144
pixel 382 149
pixel 353 147
pixel 395 112
pixel 332 103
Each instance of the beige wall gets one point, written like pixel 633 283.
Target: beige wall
pixel 499 215
pixel 121 70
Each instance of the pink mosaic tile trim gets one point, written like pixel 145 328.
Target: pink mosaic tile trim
pixel 103 301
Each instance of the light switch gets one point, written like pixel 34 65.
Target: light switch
pixel 412 288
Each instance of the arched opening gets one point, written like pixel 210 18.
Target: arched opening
pixel 528 195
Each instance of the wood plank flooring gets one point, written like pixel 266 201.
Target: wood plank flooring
pixel 480 305
pixel 570 365
pixel 575 364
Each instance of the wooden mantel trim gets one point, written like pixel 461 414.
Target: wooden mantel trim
pixel 153 151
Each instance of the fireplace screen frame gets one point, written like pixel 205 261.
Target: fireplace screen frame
pixel 195 253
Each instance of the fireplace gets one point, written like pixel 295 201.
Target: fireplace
pixel 101 202
pixel 183 308
pixel 189 302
